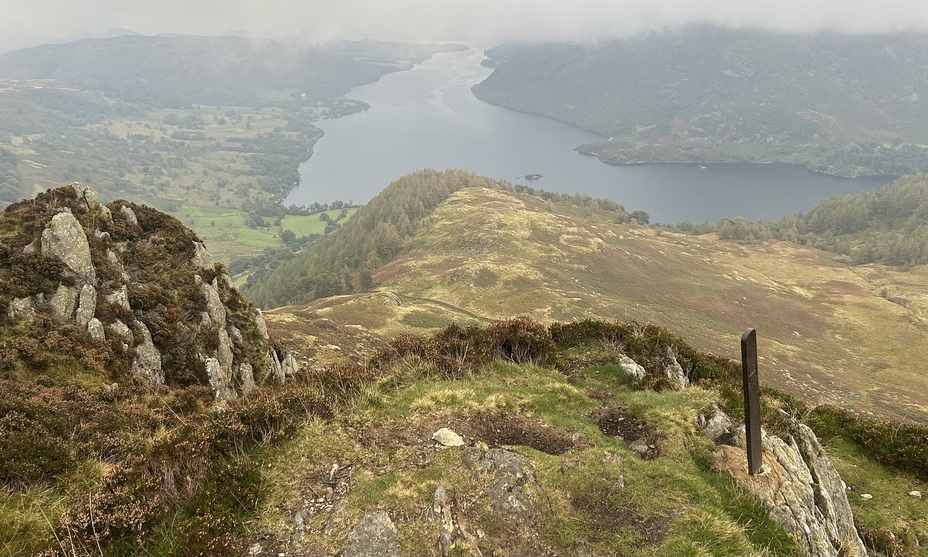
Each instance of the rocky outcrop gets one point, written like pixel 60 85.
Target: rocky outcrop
pixel 799 485
pixel 631 368
pixel 125 272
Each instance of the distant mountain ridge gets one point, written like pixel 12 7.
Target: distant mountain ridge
pixel 184 69
pixel 839 104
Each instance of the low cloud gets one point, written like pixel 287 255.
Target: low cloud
pixel 480 21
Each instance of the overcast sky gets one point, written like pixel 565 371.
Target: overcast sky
pixel 31 22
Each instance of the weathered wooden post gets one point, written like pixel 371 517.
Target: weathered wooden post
pixel 751 387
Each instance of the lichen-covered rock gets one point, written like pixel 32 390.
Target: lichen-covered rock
pixel 514 487
pixel 674 373
pixel 219 379
pixel 373 536
pixel 95 329
pixel 801 488
pixel 64 302
pixel 246 376
pixel 631 368
pixel 202 259
pixel 214 307
pixel 86 305
pixel 128 214
pixel 147 364
pixel 64 238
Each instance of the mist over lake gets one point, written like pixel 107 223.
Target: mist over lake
pixel 427 117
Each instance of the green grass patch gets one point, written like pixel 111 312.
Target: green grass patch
pixel 311 224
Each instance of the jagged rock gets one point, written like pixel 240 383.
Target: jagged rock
pixel 95 329
pixel 674 372
pixel 128 214
pixel 289 367
pixel 447 438
pixel 147 364
pixel 632 368
pixel 86 305
pixel 715 426
pixel 214 307
pixel 88 195
pixel 246 376
pixel 119 297
pixel 515 485
pixel 374 536
pixel 235 334
pixel 64 239
pixel 202 259
pixel 801 488
pixel 33 247
pixel 219 379
pixel 224 352
pixel 64 302
pixel 275 370
pixel 441 506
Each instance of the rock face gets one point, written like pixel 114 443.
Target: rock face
pixel 801 487
pixel 374 536
pixel 126 273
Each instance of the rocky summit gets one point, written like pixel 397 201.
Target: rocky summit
pixel 134 292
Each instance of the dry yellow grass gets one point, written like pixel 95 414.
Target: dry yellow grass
pixel 825 333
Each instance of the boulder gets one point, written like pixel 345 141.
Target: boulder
pixel 64 238
pixel 246 377
pixel 119 297
pixel 632 368
pixel 22 307
pixel 373 536
pixel 122 331
pixel 88 195
pixel 447 438
pixel 220 379
pixel 214 306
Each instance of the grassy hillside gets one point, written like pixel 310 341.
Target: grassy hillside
pixel 827 331
pixel 841 104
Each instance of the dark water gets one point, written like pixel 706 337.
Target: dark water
pixel 428 118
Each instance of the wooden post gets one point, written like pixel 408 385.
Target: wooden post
pixel 751 387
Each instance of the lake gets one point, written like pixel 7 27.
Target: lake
pixel 427 117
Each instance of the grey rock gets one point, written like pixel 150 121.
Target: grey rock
pixel 447 438
pixel 289 367
pixel 441 507
pixel 224 352
pixel 64 239
pixel 801 489
pixel 128 214
pixel 86 305
pixel 95 329
pixel 119 297
pixel 275 370
pixel 674 372
pixel 632 368
pixel 640 446
pixel 202 259
pixel 33 247
pixel 219 379
pixel 235 334
pixel 515 486
pixel 22 307
pixel 246 376
pixel 615 461
pixel 89 196
pixel 374 536
pixel 261 324
pixel 214 306
pixel 147 364
pixel 717 425
pixel 64 302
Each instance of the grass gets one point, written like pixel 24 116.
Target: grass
pixel 311 224
pixel 825 334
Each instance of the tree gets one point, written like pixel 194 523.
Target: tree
pixel 641 217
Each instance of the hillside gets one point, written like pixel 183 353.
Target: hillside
pixel 143 410
pixel 827 332
pixel 840 104
pixel 180 70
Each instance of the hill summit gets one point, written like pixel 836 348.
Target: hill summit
pixel 97 293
